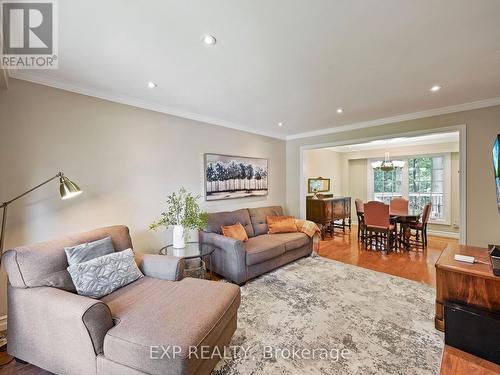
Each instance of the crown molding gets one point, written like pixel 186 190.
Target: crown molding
pixel 406 117
pixel 139 103
pixel 451 138
pixel 135 102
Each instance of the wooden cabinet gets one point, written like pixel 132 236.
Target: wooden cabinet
pixel 457 362
pixel 329 213
pixel 470 284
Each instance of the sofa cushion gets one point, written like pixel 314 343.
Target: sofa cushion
pixel 218 219
pixel 28 266
pixel 235 231
pixel 89 250
pixel 292 241
pixel 281 224
pixel 261 248
pixel 258 217
pixel 150 313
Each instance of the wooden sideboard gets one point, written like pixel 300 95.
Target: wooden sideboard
pixel 325 212
pixel 471 284
pixel 457 362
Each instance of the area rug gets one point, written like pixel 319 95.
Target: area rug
pixel 319 316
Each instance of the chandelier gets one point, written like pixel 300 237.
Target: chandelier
pixel 387 164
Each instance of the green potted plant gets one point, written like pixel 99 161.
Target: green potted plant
pixel 183 213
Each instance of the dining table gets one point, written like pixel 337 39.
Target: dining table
pixel 404 218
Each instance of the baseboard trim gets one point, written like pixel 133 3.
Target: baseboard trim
pixel 3 322
pixel 440 233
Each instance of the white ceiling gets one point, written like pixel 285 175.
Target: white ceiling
pixel 290 61
pixel 437 138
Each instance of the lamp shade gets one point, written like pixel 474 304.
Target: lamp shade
pixel 68 188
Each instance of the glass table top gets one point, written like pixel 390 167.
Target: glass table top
pixel 192 250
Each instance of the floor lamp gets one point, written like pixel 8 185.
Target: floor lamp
pixel 68 189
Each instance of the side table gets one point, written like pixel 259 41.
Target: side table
pixel 193 250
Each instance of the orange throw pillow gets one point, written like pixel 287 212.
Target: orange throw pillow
pixel 281 224
pixel 235 231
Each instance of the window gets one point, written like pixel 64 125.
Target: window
pixel 387 185
pixel 426 184
pixel 423 179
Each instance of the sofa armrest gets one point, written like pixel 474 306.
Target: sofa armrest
pixel 223 242
pixel 43 317
pixel 230 260
pixel 164 267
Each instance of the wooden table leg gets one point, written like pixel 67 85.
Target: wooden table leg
pixel 406 235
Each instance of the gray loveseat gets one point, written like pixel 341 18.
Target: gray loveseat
pixel 240 261
pixel 66 333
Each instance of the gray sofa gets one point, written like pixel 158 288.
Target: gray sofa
pixel 66 333
pixel 240 261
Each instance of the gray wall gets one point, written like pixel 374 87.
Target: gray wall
pixel 125 159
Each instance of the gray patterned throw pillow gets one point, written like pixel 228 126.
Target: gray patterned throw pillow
pixel 101 276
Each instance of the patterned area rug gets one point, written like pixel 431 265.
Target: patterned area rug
pixel 319 316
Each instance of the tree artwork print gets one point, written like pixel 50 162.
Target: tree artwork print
pixel 228 177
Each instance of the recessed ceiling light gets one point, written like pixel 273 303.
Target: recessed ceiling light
pixel 340 110
pixel 280 124
pixel 152 85
pixel 209 40
pixel 435 88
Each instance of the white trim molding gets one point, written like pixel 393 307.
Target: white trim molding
pixel 3 322
pixel 405 117
pixel 442 233
pixel 462 168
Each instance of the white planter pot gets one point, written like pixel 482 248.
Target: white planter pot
pixel 179 242
pixel 181 253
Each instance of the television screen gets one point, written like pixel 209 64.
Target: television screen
pixel 496 167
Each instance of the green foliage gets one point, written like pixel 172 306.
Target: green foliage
pixel 420 175
pixel 387 182
pixel 182 209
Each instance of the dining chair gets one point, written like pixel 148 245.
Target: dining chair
pixel 361 221
pixel 379 230
pixel 399 204
pixel 420 227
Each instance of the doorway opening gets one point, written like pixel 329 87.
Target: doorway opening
pixel 432 169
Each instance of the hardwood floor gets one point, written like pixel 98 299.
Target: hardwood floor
pixel 413 265
pixel 14 368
